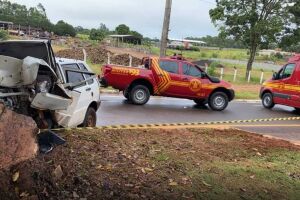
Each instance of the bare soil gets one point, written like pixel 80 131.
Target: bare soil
pixel 158 164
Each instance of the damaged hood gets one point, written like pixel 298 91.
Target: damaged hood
pixel 16 73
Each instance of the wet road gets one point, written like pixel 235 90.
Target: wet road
pixel 115 110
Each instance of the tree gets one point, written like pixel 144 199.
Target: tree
pixel 291 40
pixel 97 34
pixel 122 29
pixel 252 21
pixel 64 29
pixel 3 35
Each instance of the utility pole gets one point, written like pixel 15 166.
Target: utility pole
pixel 165 31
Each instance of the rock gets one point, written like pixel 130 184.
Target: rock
pixel 17 138
pixel 58 173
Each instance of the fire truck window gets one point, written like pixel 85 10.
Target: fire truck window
pixel 288 71
pixel 169 66
pixel 190 70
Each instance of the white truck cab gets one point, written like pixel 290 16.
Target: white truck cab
pixel 55 92
pixel 86 96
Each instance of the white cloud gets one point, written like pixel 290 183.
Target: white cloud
pixel 189 17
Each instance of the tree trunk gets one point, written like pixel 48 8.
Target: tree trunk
pixel 251 59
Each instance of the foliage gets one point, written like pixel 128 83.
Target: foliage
pixel 100 33
pixel 291 40
pixel 97 34
pixel 212 68
pixel 122 29
pixel 252 22
pixel 3 35
pixel 19 14
pixel 64 29
pixel 81 30
pixel 219 42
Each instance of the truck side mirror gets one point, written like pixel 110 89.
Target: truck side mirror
pixel 203 75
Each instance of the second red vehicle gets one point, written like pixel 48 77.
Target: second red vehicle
pixel 169 77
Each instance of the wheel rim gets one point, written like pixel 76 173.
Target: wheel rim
pixel 267 100
pixel 140 95
pixel 219 102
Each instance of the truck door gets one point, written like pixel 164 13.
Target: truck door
pixel 171 84
pixel 291 85
pixel 284 92
pixel 81 94
pixel 192 76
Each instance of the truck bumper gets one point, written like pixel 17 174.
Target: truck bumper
pixel 103 82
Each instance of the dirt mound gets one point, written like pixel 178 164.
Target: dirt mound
pixel 124 59
pixel 76 54
pixel 17 137
pixel 98 55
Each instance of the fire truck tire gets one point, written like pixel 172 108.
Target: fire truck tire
pixel 139 95
pixel 218 101
pixel 90 118
pixel 201 102
pixel 297 110
pixel 126 94
pixel 267 100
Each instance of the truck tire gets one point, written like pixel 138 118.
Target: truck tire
pixel 90 118
pixel 139 95
pixel 218 101
pixel 267 100
pixel 201 102
pixel 126 94
pixel 297 110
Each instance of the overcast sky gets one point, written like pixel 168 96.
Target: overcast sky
pixel 189 17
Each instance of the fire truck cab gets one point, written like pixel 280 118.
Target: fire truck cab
pixel 284 87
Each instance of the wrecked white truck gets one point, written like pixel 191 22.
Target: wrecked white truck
pixel 55 92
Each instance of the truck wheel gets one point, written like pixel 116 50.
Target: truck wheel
pixel 267 100
pixel 126 94
pixel 218 101
pixel 297 110
pixel 139 95
pixel 200 102
pixel 90 118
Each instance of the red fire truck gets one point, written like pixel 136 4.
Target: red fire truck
pixel 284 87
pixel 169 77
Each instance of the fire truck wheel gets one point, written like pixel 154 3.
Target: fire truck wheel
pixel 297 110
pixel 90 118
pixel 126 94
pixel 139 95
pixel 267 101
pixel 200 102
pixel 218 101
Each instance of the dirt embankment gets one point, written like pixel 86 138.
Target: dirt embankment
pixel 158 164
pixel 98 55
pixel 17 138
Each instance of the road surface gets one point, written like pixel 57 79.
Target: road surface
pixel 115 110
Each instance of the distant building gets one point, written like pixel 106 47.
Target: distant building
pixel 126 39
pixel 6 25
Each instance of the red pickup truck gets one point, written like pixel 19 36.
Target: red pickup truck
pixel 170 77
pixel 284 87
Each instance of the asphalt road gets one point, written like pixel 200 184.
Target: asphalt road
pixel 115 110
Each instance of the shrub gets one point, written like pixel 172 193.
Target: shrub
pixel 214 55
pixel 203 55
pixel 3 35
pixel 212 68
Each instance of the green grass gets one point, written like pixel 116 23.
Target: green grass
pixel 96 68
pixel 246 95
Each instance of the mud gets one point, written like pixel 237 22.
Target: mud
pixel 98 55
